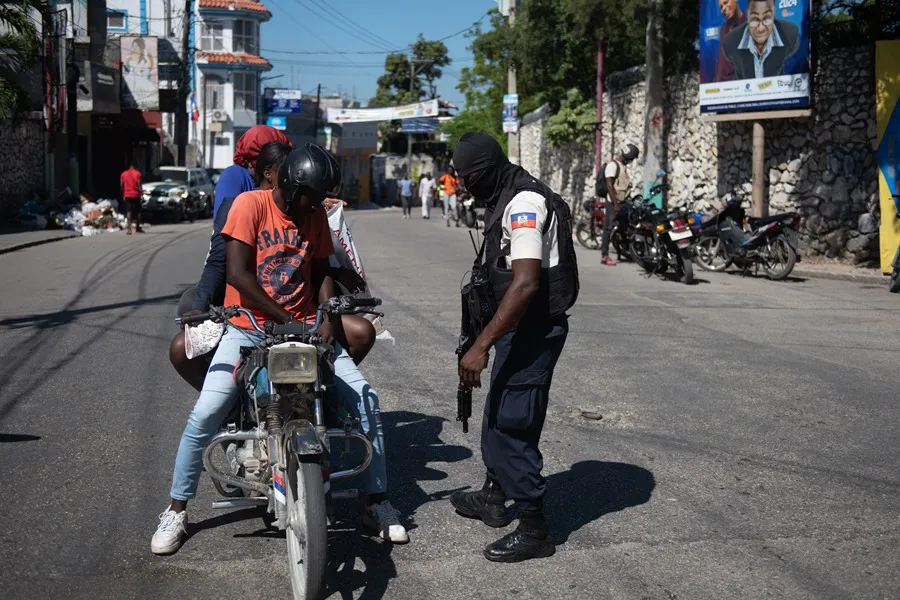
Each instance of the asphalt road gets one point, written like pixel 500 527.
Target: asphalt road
pixel 748 446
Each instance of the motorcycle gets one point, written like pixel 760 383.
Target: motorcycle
pixel 277 440
pixel 662 240
pixel 770 242
pixel 465 211
pixel 589 229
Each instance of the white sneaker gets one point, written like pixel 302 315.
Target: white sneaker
pixel 385 519
pixel 170 533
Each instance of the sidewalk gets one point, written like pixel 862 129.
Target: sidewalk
pixel 823 268
pixel 10 241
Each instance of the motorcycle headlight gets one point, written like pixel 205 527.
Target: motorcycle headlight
pixel 292 362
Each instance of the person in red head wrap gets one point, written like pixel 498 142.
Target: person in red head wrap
pixel 240 177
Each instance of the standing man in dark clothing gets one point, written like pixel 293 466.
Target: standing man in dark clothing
pixel 734 17
pixel 531 267
pixel 130 183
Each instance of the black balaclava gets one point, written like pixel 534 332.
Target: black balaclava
pixel 481 164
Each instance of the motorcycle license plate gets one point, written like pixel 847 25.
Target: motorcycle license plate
pixel 680 235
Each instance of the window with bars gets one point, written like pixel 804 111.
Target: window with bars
pixel 244 91
pixel 215 93
pixel 211 37
pixel 246 34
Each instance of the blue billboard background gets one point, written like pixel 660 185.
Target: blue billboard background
pixel 711 20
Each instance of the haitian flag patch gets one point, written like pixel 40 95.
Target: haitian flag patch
pixel 523 220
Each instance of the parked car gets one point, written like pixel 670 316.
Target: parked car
pixel 178 192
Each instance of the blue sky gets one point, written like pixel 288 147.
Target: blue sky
pixel 388 24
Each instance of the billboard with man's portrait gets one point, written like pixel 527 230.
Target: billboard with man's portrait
pixel 754 55
pixel 140 72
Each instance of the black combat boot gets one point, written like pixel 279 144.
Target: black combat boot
pixel 530 540
pixel 487 504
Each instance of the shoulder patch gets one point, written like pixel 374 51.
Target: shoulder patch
pixel 524 219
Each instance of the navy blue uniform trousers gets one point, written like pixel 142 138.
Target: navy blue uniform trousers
pixel 516 407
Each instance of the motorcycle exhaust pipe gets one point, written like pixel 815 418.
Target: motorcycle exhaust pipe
pixel 340 433
pixel 232 480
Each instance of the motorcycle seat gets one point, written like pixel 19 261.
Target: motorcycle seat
pixel 760 221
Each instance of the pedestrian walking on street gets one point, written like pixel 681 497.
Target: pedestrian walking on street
pixel 427 188
pixel 449 185
pixel 532 272
pixel 130 183
pixel 405 190
pixel 615 176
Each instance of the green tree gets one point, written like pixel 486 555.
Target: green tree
pixel 394 86
pixel 20 50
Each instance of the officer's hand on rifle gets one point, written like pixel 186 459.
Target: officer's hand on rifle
pixel 472 364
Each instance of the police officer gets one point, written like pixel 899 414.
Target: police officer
pixel 534 277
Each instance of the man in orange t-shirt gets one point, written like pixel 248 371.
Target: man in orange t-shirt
pixel 130 182
pixel 277 248
pixel 449 185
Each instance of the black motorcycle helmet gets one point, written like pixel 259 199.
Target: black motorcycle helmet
pixel 311 171
pixel 630 152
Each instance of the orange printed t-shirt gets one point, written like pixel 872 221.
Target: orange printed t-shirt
pixel 450 184
pixel 284 253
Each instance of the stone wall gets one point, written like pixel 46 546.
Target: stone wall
pixel 823 167
pixel 22 160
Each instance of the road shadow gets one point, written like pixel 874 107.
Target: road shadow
pixel 413 445
pixel 750 275
pixel 591 489
pixel 64 317
pixel 359 566
pixel 10 438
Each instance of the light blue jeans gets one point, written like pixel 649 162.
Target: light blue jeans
pixel 219 393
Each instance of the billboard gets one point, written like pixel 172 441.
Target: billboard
pixel 427 125
pixel 286 102
pixel 510 113
pixel 140 72
pixel 279 123
pixel 887 119
pixel 429 108
pixel 754 55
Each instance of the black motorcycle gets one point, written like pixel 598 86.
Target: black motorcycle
pixel 662 240
pixel 768 242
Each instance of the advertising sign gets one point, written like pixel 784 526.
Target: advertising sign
pixel 510 113
pixel 419 125
pixel 887 120
pixel 279 123
pixel 754 55
pixel 286 102
pixel 428 108
pixel 140 72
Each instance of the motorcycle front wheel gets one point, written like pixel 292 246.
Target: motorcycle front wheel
pixel 640 250
pixel 307 530
pixel 710 255
pixel 779 262
pixel 585 235
pixel 895 274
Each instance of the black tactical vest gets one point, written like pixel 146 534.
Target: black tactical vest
pixel 559 285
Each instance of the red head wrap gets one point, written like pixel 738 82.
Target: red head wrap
pixel 249 145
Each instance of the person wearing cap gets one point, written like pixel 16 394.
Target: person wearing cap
pixel 617 184
pixel 278 244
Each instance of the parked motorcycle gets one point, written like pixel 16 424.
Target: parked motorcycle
pixel 589 228
pixel 465 211
pixel 278 437
pixel 767 242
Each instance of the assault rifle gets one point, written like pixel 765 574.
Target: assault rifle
pixel 478 306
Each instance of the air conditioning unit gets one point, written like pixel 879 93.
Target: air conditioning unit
pixel 218 116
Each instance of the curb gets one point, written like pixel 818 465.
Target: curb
pixel 23 245
pixel 856 277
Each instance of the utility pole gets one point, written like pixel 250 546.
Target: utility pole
pixel 513 137
pixel 654 142
pixel 72 117
pixel 316 117
pixel 181 115
pixel 598 132
pixel 412 80
pixel 760 207
pixel 205 133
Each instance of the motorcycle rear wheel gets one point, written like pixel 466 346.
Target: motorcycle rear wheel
pixel 307 531
pixel 585 236
pixel 687 268
pixel 786 257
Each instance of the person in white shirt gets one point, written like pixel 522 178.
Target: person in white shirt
pixel 617 183
pixel 427 187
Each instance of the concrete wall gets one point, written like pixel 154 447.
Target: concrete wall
pixel 22 156
pixel 822 166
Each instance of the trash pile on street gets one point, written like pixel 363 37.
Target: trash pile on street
pixel 85 218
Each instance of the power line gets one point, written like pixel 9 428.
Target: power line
pixel 397 51
pixel 337 25
pixel 385 42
